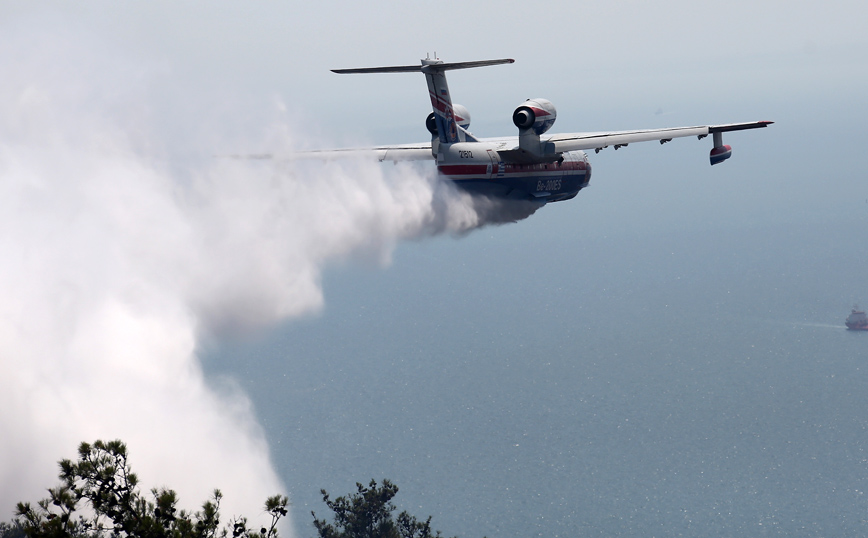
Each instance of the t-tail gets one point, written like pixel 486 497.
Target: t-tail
pixel 443 123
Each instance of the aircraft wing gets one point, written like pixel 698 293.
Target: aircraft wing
pixel 554 144
pixel 401 152
pixel 600 140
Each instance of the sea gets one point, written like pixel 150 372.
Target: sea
pixel 554 378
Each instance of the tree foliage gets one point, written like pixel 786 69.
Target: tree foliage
pixel 12 530
pixel 368 514
pixel 103 482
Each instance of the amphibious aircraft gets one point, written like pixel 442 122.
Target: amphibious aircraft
pixel 532 166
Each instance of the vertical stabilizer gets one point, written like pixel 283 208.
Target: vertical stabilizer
pixel 441 101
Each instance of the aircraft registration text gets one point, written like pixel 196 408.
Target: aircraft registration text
pixel 548 185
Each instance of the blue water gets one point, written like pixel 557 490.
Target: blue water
pixel 517 382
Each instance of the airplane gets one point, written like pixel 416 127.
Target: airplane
pixel 534 165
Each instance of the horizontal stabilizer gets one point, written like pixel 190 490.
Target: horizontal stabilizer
pixel 418 68
pixel 468 65
pixel 392 69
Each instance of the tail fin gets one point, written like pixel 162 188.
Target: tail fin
pixel 441 100
pixel 438 90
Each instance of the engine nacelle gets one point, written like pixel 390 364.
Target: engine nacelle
pixel 431 125
pixel 462 115
pixel 537 115
pixel 459 112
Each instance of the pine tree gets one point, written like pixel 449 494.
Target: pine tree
pixel 368 514
pixel 103 482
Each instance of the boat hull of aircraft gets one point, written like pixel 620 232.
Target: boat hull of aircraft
pixel 541 182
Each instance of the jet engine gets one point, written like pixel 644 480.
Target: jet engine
pixel 537 115
pixel 459 112
pixel 462 115
pixel 431 124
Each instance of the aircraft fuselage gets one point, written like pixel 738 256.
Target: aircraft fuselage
pixel 478 168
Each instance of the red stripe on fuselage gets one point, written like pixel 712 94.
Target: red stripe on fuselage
pixel 481 171
pixel 464 170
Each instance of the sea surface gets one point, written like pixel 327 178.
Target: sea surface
pixel 536 380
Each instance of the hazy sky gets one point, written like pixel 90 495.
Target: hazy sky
pixel 111 108
pixel 589 59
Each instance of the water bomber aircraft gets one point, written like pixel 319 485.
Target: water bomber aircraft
pixel 534 165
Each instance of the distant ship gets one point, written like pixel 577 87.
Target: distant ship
pixel 857 321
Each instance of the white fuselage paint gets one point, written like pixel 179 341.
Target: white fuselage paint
pixel 478 167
